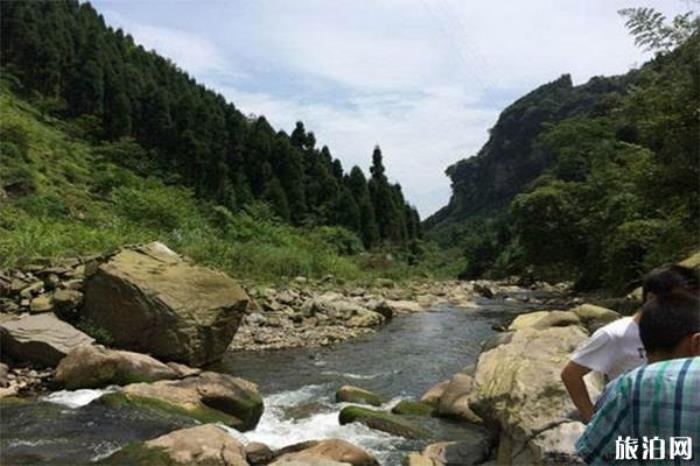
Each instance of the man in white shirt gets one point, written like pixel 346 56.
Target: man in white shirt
pixel 617 348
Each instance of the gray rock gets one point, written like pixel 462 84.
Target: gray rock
pixel 94 366
pixel 151 300
pixel 41 339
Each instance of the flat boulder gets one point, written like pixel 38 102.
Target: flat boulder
pixel 151 300
pixel 205 445
pixel 318 453
pixel 208 397
pixel 94 366
pixel 381 420
pixel 350 394
pixel 545 319
pixel 413 408
pixel 41 339
pixel 402 306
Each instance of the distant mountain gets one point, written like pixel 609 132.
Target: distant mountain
pixel 594 183
pixel 511 159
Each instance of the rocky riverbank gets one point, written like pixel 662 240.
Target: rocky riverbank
pixel 144 320
pixel 303 312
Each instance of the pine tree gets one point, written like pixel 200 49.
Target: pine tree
pixel 360 191
pixel 274 194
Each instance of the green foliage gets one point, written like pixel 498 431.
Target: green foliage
pixel 652 31
pixel 151 117
pixel 154 206
pixel 619 193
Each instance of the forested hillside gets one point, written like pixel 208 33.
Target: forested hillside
pixel 62 56
pixel 594 183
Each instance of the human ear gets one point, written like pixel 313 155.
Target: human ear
pixel 695 344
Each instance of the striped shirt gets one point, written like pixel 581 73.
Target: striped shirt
pixel 644 412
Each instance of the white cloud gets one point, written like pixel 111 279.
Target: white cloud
pixel 190 52
pixel 423 78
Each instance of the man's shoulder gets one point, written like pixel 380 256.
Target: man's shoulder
pixel 671 369
pixel 617 327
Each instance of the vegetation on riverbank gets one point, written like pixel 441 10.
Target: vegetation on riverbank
pixel 64 195
pixel 595 183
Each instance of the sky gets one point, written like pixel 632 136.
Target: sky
pixel 424 79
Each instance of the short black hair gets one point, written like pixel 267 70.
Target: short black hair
pixel 664 279
pixel 666 321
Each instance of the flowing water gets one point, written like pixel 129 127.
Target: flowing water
pixel 403 360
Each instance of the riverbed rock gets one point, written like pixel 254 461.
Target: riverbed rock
pixel 381 420
pixel 545 319
pixel 403 306
pixel 500 338
pixel 317 453
pixel 463 453
pixel 41 303
pixel 364 318
pixel 41 339
pixel 454 402
pixel 208 397
pixel 593 317
pixel 517 389
pixel 433 395
pixel 149 299
pixel 557 445
pixel 94 366
pixel 66 300
pixel 350 394
pixel 258 453
pixel 413 408
pixel 206 445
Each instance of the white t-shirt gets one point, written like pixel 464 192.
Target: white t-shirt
pixel 612 350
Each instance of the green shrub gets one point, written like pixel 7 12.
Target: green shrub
pixel 154 206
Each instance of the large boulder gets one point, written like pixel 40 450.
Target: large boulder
pixel 94 366
pixel 206 445
pixel 41 339
pixel 149 299
pixel 318 453
pixel 454 402
pixel 381 420
pixel 208 397
pixel 517 389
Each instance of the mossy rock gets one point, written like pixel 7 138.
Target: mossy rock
pixel 381 420
pixel 201 413
pixel 413 408
pixel 350 394
pixel 14 401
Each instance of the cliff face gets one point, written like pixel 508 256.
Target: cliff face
pixel 511 158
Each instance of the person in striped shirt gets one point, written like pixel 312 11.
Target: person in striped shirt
pixel 652 414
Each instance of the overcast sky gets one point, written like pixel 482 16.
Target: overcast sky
pixel 424 79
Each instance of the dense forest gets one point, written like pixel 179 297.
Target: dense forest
pixel 594 183
pixel 143 108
